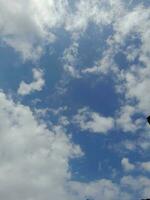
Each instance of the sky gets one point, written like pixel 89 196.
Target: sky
pixel 74 97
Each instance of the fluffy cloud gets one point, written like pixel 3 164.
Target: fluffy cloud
pixel 26 26
pixel 92 121
pixel 134 21
pixel 127 165
pixel 34 159
pixel 36 85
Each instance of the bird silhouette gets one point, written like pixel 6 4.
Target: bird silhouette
pixel 148 119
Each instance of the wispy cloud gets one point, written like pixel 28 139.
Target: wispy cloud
pixel 37 84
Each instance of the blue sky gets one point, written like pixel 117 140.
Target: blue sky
pixel 74 97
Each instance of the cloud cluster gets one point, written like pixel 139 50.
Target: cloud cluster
pixel 32 25
pixel 130 37
pixel 35 162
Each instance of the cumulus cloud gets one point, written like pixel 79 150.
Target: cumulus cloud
pixel 127 165
pixel 27 27
pixel 92 121
pixel 36 85
pixel 34 159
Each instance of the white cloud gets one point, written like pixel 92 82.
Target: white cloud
pixel 92 121
pixel 102 14
pixel 34 159
pixel 98 12
pixel 127 165
pixel 146 166
pixel 125 121
pixel 139 186
pixel 135 80
pixel 105 65
pixel 36 85
pixel 30 25
pixel 132 81
pixel 134 21
pixel 27 27
pixel 137 86
pixel 103 189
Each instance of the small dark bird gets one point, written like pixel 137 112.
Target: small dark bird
pixel 148 119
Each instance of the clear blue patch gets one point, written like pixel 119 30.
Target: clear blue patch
pixel 99 97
